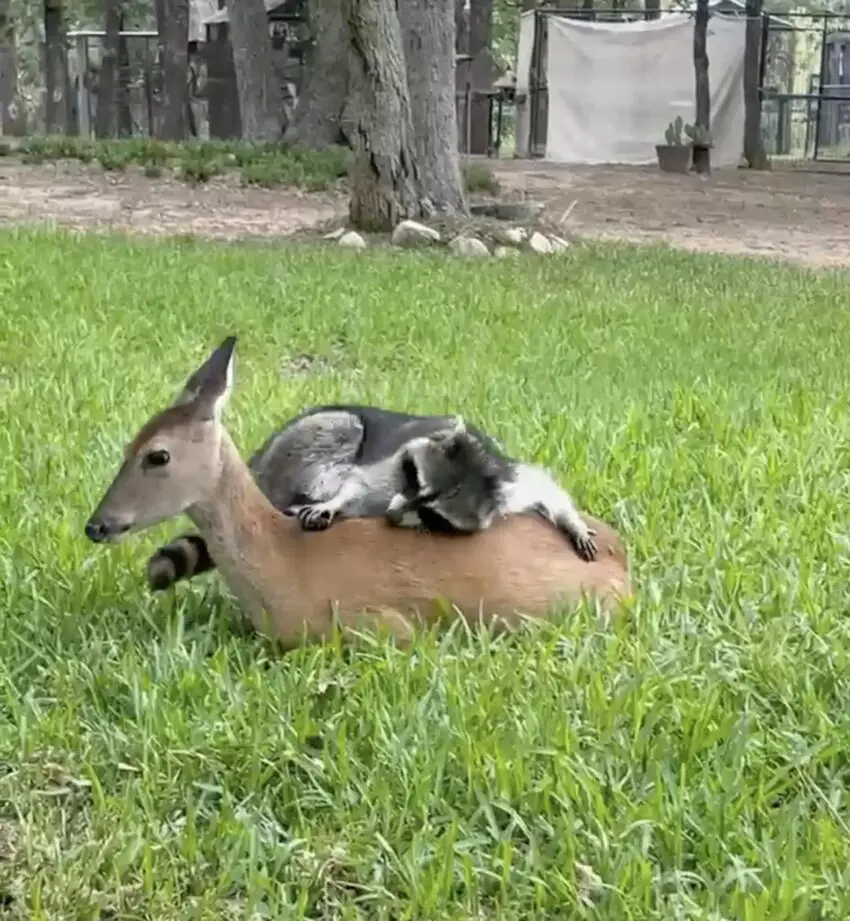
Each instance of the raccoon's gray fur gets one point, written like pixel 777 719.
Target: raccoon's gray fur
pixel 451 476
pixel 308 462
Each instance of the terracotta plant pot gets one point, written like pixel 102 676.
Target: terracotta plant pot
pixel 674 158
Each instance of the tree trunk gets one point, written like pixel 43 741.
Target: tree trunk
pixel 753 144
pixel 480 33
pixel 122 101
pixel 377 119
pixel 702 154
pixel 317 118
pixel 259 91
pixel 652 9
pixel 105 121
pixel 172 20
pixel 9 115
pixel 461 28
pixel 58 104
pixel 428 28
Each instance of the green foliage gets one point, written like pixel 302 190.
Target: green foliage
pixel 260 164
pixel 161 762
pixel 480 178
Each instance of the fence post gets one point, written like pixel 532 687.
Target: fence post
pixel 82 93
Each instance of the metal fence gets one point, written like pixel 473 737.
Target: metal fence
pixel 804 79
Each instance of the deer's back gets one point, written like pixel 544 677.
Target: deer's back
pixel 521 563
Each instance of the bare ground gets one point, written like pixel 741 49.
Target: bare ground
pixel 800 216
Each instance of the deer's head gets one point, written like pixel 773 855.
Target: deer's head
pixel 174 461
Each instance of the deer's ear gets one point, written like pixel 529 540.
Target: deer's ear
pixel 209 387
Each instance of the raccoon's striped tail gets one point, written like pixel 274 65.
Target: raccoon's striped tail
pixel 183 558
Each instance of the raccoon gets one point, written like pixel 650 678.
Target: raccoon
pixel 450 481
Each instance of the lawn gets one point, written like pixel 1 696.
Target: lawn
pixel 158 762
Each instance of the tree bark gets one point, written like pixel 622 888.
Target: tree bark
pixel 122 100
pixel 377 120
pixel 58 105
pixel 428 30
pixel 172 19
pixel 316 121
pixel 260 100
pixel 753 144
pixel 480 34
pixel 702 155
pixel 652 9
pixel 8 72
pixel 105 121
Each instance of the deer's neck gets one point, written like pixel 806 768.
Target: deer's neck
pixel 239 525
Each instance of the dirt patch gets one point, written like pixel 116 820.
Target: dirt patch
pixel 791 215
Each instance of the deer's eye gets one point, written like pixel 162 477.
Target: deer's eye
pixel 157 458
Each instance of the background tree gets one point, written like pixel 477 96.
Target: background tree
pixel 316 122
pixel 480 37
pixel 652 9
pixel 753 143
pixel 8 71
pixel 427 28
pixel 105 120
pixel 58 101
pixel 172 23
pixel 260 99
pixel 377 120
pixel 702 156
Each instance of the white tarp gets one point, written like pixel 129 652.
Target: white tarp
pixel 523 76
pixel 613 87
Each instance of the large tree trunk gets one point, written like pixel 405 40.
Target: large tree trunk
pixel 172 22
pixel 317 118
pixel 58 104
pixel 105 122
pixel 702 155
pixel 259 91
pixel 652 9
pixel 9 116
pixel 428 30
pixel 480 33
pixel 377 120
pixel 753 144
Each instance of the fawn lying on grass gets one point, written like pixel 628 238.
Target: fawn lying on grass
pixel 294 584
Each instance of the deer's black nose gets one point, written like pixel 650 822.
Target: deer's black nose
pixel 96 531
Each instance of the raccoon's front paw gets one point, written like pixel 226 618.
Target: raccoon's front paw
pixel 316 517
pixel 586 545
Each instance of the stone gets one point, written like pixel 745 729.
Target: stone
pixel 516 235
pixel 352 240
pixel 335 234
pixel 412 233
pixel 539 243
pixel 469 246
pixel 505 252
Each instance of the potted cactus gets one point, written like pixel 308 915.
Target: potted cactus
pixel 675 155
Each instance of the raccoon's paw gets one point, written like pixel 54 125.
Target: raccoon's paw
pixel 162 572
pixel 585 544
pixel 316 517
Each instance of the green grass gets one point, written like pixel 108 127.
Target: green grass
pixel 265 165
pixel 157 762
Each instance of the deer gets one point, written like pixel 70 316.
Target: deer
pixel 299 586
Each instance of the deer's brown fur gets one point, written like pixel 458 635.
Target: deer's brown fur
pixel 362 572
